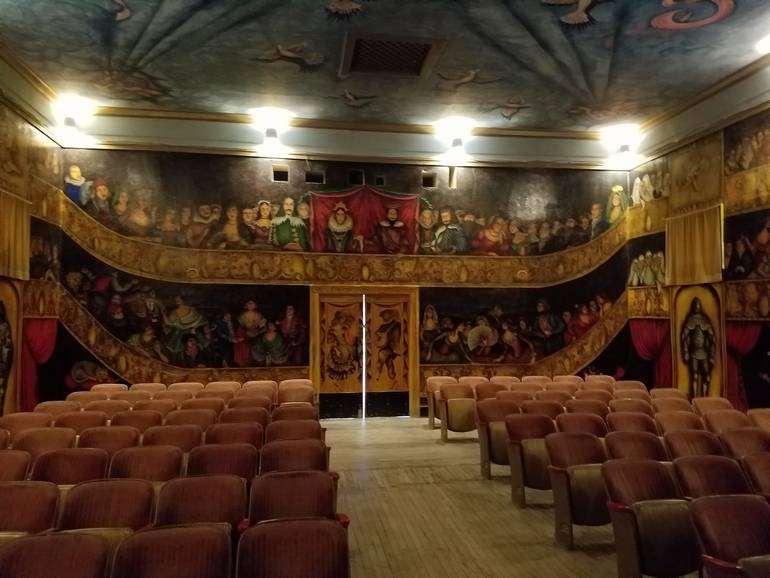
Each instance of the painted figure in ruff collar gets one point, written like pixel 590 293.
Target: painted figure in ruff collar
pixel 288 231
pixel 391 233
pixel 339 231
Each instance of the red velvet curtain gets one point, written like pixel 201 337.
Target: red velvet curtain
pixel 652 341
pixel 742 337
pixel 368 206
pixel 38 342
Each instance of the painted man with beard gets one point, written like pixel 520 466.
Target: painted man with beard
pixel 201 225
pixel 294 332
pixel 339 231
pixel 288 231
pixel 391 233
pixel 427 232
pixel 450 239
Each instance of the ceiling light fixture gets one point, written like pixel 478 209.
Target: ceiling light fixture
pixel 73 110
pixel 456 154
pixel 763 46
pixel 454 127
pixel 271 121
pixel 622 142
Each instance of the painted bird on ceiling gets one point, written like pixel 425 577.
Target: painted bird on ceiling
pixel 357 101
pixel 451 82
pixel 343 9
pixel 580 16
pixel 295 54
pixel 508 109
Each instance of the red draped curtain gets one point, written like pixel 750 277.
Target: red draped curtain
pixel 652 341
pixel 742 337
pixel 38 342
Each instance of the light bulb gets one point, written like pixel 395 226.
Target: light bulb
pixel 73 110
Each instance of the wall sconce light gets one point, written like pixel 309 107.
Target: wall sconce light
pixel 621 142
pixel 271 121
pixel 763 46
pixel 71 113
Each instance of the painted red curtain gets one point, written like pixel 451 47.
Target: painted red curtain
pixel 368 206
pixel 742 337
pixel 652 341
pixel 38 342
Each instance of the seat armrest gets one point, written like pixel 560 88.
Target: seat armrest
pixel 721 567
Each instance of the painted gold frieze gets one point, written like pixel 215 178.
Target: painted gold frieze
pixel 647 218
pixel 648 302
pixel 569 360
pixel 168 263
pixel 748 299
pixel 747 190
pixel 125 361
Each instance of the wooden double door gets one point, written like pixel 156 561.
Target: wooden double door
pixel 364 352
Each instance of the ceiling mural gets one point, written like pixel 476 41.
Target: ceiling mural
pixel 550 64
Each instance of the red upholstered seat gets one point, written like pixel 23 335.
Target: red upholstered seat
pixel 295 394
pixel 185 437
pixel 162 406
pixel 700 476
pixel 152 463
pixel 28 506
pixel 131 396
pixel 214 404
pixel 189 386
pixel 635 405
pixel 245 415
pixel 722 420
pixel 581 422
pixel 202 499
pixel 669 421
pixel 553 395
pixel 71 555
pixel 660 392
pixel 84 397
pixel 109 438
pixel 294 429
pixel 295 411
pixel 108 504
pixel 203 418
pixel 704 405
pixel 39 440
pixel 595 406
pixel 549 408
pixel 70 466
pixel 597 394
pixel 635 445
pixel 694 442
pixel 631 421
pixel 251 401
pixel 293 455
pixel 234 433
pixel 80 420
pixel 232 459
pixel 14 465
pixel 292 495
pixel 56 408
pixel 16 423
pixel 139 419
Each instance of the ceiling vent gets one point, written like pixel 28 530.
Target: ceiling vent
pixel 377 54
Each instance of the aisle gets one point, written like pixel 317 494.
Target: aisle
pixel 420 508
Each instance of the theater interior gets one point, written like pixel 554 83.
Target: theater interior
pixel 373 288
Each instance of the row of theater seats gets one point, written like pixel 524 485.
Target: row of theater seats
pixel 285 525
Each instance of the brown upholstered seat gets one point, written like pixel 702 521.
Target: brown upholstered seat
pixel 258 389
pixel 757 469
pixel 193 551
pixel 704 405
pixel 70 466
pixel 722 420
pixel 553 395
pixel 669 421
pixel 151 463
pixel 39 440
pixel 598 394
pixel 294 383
pixel 456 408
pixel 139 419
pixel 28 507
pixel 295 411
pixel 661 392
pixel 301 547
pixel 84 397
pixel 131 396
pixel 185 437
pixel 535 379
pixel 231 459
pixel 162 406
pixel 745 441
pixel 654 535
pixel 579 495
pixel 15 423
pixel 760 418
pixel 694 442
pixel 731 528
pixel 605 382
pixel 214 404
pixel 109 438
pixel 514 396
pixel 245 415
pixel 58 407
pixel 212 499
pixel 630 384
pixel 569 387
pixel 108 407
pixel 294 429
pixel 235 433
pixel 71 555
pixel 487 390
pixel 634 394
pixel 527 455
pixel 473 380
pixel 5 439
pixel 635 405
pixel 662 404
pixel 631 421
pixel 493 438
pixel 109 388
pixel 595 406
pixel 581 422
pixel 538 407
pixel 224 394
pixel 529 387
pixel 80 420
pixel 232 386
pixel 257 383
pixel 504 380
pixel 635 445
pixel 700 476
pixel 292 495
pixel 108 504
pixel 176 395
pixel 568 378
pixel 295 394
pixel 14 465
pixel 251 401
pixel 293 455
pixel 203 418
pixel 153 388
pixel 190 386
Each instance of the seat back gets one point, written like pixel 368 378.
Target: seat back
pixel 682 443
pixel 108 504
pixel 109 438
pixel 190 386
pixel 661 392
pixel 662 404
pixel 139 419
pixel 456 391
pixel 245 415
pixel 633 480
pixel 15 423
pixel 235 433
pixel 294 429
pixel 84 397
pixel 236 459
pixel 203 418
pixel 70 466
pixel 505 380
pixel 162 406
pixel 109 388
pixel 745 441
pixel 631 421
pixel 151 463
pixel 175 395
pixel 185 437
pixel 528 426
pixel 473 380
pixel 544 407
pixel 640 445
pixel 300 547
pixel 71 555
pixel 631 384
pixel 214 404
pixel 14 465
pixel 535 379
pixel 44 439
pixel 57 407
pixel 131 396
pixel 491 410
pixel 153 388
pixel 635 405
pixel 568 378
pixel 295 394
pixel 722 420
pixel 194 551
pixel 280 495
pixel 223 394
pixel 232 386
pixel 757 468
pixel 28 506
pixel 598 394
pixel 529 387
pixel 514 396
pixel 569 387
pixel 760 418
pixel 668 421
pixel 260 383
pixel 704 405
pixel 80 420
pixel 487 390
pixel 258 390
pixel 553 395
pixel 211 499
pixel 581 422
pixel 298 411
pixel 634 394
pixel 700 476
pixel 291 383
pixel 293 455
pixel 594 406
pixel 251 401
pixel 573 449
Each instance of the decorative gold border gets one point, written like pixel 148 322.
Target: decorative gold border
pixel 648 302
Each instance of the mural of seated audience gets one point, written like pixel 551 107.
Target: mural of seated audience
pixel 364 219
pixel 747 246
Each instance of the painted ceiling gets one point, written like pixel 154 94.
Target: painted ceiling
pixel 524 64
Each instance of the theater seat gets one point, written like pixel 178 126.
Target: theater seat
pixel 635 445
pixel 27 508
pixel 235 433
pixel 202 500
pixel 108 504
pixel 487 390
pixel 224 459
pixel 545 407
pixel 80 420
pixel 203 418
pixel 56 408
pixel 293 455
pixel 504 380
pixel 631 421
pixel 634 405
pixel 682 443
pixel 671 404
pixel 722 420
pixel 14 465
pixel 131 396
pixel 150 387
pixel 432 385
pixel 757 468
pixel 292 495
pixel 245 415
pixel 660 392
pixel 185 437
pixel 214 404
pixel 294 429
pixel 151 463
pixel 743 442
pixel 594 406
pixel 84 397
pixel 251 401
pixel 514 396
pixel 295 411
pixel 162 406
pixel 298 394
pixel 581 423
pixel 669 421
pixel 457 409
pixel 70 466
pixel 40 440
pixel 700 476
pixel 139 419
pixel 109 438
pixel 59 555
pixel 527 455
pixel 704 405
pixel 15 423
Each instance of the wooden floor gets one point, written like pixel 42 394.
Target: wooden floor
pixel 420 508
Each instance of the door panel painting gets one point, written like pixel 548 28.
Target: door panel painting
pixel 387 343
pixel 340 346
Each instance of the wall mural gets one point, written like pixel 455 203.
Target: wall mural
pixel 548 64
pixel 192 326
pixel 747 246
pixel 514 326
pixel 696 174
pixel 217 202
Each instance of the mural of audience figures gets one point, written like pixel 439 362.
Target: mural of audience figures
pixel 747 144
pixel 204 201
pixel 193 325
pixel 513 326
pixel 747 246
pixel 44 251
pixel 651 181
pixel 647 261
